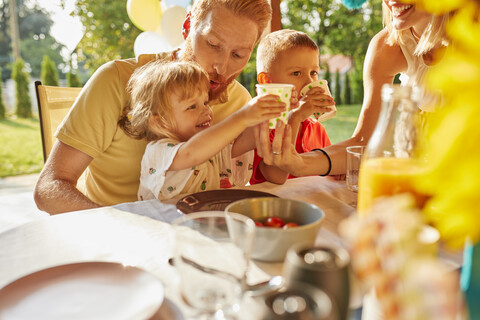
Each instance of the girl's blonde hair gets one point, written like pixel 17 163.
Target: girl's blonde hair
pixel 275 43
pixel 149 89
pixel 434 33
pixel 259 11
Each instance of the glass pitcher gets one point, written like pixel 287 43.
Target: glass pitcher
pixel 390 160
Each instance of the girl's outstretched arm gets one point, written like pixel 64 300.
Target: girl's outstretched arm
pixel 211 141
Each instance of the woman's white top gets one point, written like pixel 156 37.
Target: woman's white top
pixel 415 74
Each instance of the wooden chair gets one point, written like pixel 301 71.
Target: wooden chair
pixel 53 105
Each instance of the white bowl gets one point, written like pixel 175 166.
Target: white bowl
pixel 272 244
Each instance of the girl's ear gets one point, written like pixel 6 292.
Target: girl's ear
pixel 263 77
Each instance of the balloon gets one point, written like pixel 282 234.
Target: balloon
pixel 150 42
pixel 181 3
pixel 172 23
pixel 145 14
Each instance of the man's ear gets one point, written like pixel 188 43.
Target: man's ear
pixel 186 26
pixel 263 77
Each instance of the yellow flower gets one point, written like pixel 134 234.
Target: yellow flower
pixel 453 141
pixel 439 6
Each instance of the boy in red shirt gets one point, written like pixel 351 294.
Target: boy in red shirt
pixel 288 56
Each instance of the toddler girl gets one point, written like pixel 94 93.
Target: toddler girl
pixel 186 153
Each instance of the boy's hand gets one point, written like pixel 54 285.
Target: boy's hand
pixel 315 101
pixel 261 108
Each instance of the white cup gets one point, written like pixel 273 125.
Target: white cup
pixel 284 91
pixel 324 85
pixel 354 159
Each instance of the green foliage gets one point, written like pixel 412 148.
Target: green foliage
pixel 337 89
pixel 357 84
pixel 347 91
pixel 35 40
pixel 23 104
pixel 33 51
pixel 2 105
pixel 327 75
pixel 20 147
pixel 49 72
pixel 109 33
pixel 73 80
pixel 248 77
pixel 336 29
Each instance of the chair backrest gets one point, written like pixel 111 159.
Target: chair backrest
pixel 53 105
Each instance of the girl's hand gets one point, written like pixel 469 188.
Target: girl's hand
pixel 259 109
pixel 315 101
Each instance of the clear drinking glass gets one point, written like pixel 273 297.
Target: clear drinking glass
pixel 212 254
pixel 354 159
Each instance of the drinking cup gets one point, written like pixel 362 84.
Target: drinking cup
pixel 324 85
pixel 354 159
pixel 212 254
pixel 284 91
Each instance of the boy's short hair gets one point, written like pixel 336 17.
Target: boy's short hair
pixel 273 44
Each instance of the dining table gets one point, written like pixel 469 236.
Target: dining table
pixel 140 234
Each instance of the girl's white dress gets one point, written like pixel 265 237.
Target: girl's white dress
pixel 221 171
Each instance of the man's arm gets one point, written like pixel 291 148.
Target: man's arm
pixel 55 191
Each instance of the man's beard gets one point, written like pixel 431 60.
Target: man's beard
pixel 216 93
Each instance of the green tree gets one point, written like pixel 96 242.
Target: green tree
pixel 23 104
pixel 357 84
pixel 336 29
pixel 35 39
pixel 327 75
pixel 338 89
pixel 2 105
pixel 109 33
pixel 347 92
pixel 72 79
pixel 49 72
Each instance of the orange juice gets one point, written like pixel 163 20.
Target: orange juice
pixel 385 177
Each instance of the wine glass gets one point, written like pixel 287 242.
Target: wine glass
pixel 212 254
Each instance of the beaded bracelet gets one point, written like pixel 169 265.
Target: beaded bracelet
pixel 329 161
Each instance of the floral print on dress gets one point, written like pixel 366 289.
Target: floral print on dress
pixel 239 163
pixel 152 170
pixel 225 183
pixel 204 184
pixel 171 188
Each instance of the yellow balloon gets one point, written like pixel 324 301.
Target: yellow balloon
pixel 145 14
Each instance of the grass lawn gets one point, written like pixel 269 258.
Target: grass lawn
pixel 342 125
pixel 21 145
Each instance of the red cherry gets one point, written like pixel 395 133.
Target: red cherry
pixel 290 225
pixel 274 222
pixel 259 224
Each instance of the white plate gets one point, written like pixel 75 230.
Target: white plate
pixel 90 290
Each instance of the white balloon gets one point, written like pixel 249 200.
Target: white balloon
pixel 181 3
pixel 150 42
pixel 172 24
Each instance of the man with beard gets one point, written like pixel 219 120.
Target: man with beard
pixel 220 36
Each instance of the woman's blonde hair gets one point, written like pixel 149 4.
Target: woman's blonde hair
pixel 273 44
pixel 434 33
pixel 259 11
pixel 149 115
